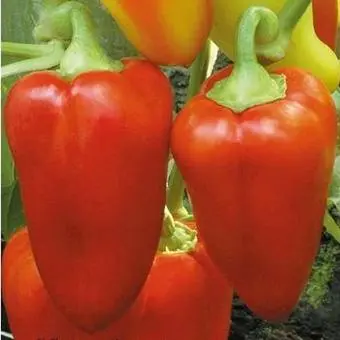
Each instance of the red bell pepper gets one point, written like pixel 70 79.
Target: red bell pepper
pixel 184 298
pixel 91 156
pixel 30 310
pixel 256 151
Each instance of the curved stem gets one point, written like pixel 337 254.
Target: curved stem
pixel 249 83
pixel 289 16
pixel 255 20
pixel 198 74
pixel 84 52
pixel 55 20
pixel 43 62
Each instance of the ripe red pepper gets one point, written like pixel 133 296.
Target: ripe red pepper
pixel 184 298
pixel 325 17
pixel 258 173
pixel 91 157
pixel 30 310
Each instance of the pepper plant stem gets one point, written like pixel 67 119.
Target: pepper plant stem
pixel 85 52
pixel 54 53
pixel 198 74
pixel 289 16
pixel 27 50
pixel 291 13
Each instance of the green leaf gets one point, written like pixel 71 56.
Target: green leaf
pixel 12 216
pixel 331 227
pixel 334 191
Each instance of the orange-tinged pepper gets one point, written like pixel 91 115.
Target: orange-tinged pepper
pixel 166 32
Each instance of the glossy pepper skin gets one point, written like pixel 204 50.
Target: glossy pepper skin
pixel 184 298
pixel 30 310
pixel 258 183
pixel 91 157
pixel 325 18
pixel 321 61
pixel 166 32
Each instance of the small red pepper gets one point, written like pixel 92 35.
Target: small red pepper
pixel 30 310
pixel 256 151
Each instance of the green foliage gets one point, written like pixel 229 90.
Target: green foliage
pixel 336 98
pixel 12 216
pixel 322 274
pixel 10 195
pixel 334 200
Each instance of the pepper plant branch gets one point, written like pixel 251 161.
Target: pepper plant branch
pixel 272 50
pixel 291 13
pixel 27 50
pixel 43 62
pixel 198 74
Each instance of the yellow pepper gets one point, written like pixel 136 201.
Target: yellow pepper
pixel 168 32
pixel 305 50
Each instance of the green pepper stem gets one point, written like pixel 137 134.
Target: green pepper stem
pixel 249 83
pixel 54 52
pixel 52 3
pixel 198 74
pixel 84 52
pixel 55 21
pixel 176 236
pixel 289 16
pixel 291 13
